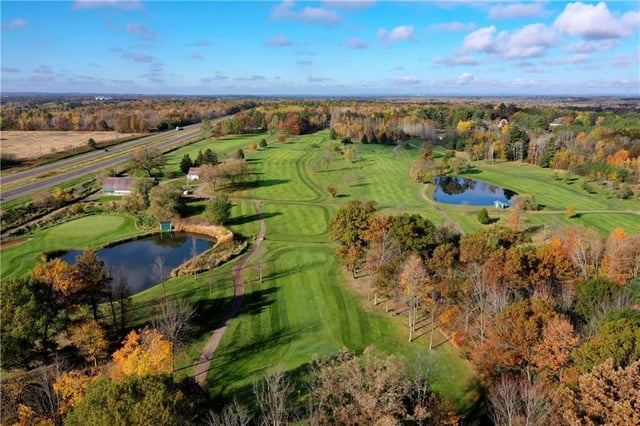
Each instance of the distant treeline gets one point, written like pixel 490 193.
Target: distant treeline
pixel 124 116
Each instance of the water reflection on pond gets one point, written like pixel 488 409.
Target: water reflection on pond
pixel 457 190
pixel 136 258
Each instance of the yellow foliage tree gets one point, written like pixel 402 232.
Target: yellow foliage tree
pixel 71 388
pixel 464 127
pixel 58 274
pixel 28 417
pixel 144 352
pixel 90 340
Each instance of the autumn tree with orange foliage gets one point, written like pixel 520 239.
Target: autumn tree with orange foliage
pixel 622 259
pixel 62 277
pixel 143 352
pixel 520 342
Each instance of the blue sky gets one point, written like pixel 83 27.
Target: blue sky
pixel 453 47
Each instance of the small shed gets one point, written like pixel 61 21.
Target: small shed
pixel 165 226
pixel 194 173
pixel 500 205
pixel 117 185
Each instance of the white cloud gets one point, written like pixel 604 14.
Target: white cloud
pixel 403 32
pixel 480 40
pixel 133 56
pixel 579 58
pixel 217 77
pixel 349 4
pixel 115 4
pixel 595 22
pixel 453 26
pixel 406 79
pixel 584 46
pixel 622 61
pixel 141 31
pixel 14 24
pixel 517 10
pixel 356 43
pixel 465 78
pixel 43 73
pixel 458 60
pixel 249 78
pixel 309 14
pixel 527 42
pixel 279 41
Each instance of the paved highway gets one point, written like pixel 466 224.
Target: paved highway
pixel 168 138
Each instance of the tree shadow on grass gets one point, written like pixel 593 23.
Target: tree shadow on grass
pixel 191 209
pixel 473 404
pixel 286 272
pixel 245 393
pixel 262 183
pixel 248 218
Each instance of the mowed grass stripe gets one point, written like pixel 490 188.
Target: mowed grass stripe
pixel 297 222
pixel 281 318
pixel 278 176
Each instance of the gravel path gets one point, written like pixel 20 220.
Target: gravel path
pixel 203 365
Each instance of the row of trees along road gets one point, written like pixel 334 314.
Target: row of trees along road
pixel 541 322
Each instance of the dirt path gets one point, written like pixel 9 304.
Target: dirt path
pixel 423 193
pixel 203 364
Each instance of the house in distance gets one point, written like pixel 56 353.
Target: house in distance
pixel 117 185
pixel 193 173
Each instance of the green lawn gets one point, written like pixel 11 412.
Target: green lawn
pixel 556 195
pixel 551 194
pixel 302 310
pixel 78 234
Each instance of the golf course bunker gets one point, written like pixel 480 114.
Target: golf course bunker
pixel 457 190
pixel 137 259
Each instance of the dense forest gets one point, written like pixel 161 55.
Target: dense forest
pixel 135 115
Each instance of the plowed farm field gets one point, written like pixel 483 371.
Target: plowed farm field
pixel 33 144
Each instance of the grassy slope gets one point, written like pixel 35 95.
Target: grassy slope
pixel 303 308
pixel 556 195
pixel 91 231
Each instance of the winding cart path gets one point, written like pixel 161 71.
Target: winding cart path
pixel 203 364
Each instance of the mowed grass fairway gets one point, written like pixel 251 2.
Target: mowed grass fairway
pixel 78 234
pixel 304 308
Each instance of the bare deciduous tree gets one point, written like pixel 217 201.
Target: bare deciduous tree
pixel 271 395
pixel 234 414
pixel 173 321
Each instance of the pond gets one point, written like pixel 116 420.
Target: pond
pixel 457 190
pixel 137 258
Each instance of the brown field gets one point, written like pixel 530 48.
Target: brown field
pixel 33 144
